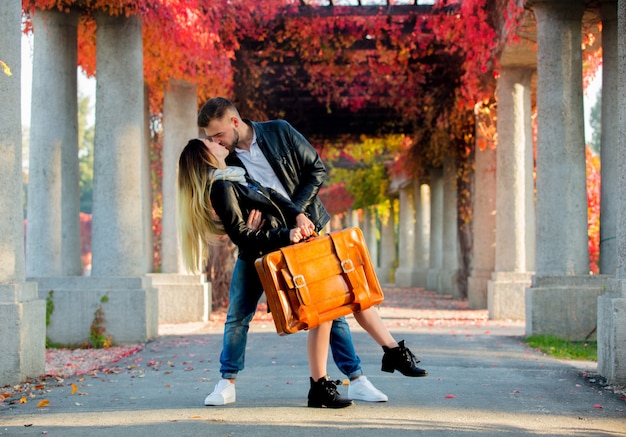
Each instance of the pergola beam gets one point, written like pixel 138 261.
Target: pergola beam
pixel 359 11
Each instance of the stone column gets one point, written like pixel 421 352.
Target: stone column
pixel 563 297
pixel 483 225
pixel 422 234
pixel 180 110
pixel 515 222
pixel 612 305
pixel 370 230
pixel 146 177
pixel 22 314
pixel 182 297
pixel 53 236
pixel 118 285
pixel 436 229
pixel 406 236
pixel 117 236
pixel 387 245
pixel 354 218
pixel 448 276
pixel 609 139
pixel 335 223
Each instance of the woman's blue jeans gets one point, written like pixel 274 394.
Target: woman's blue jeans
pixel 245 292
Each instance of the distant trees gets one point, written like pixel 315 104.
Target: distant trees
pixel 595 121
pixel 85 153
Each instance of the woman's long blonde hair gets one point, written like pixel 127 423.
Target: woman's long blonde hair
pixel 198 224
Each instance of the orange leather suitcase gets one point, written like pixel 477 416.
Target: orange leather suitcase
pixel 320 279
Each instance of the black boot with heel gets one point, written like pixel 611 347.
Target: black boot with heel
pixel 323 393
pixel 400 358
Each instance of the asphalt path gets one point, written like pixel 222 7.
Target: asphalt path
pixel 483 381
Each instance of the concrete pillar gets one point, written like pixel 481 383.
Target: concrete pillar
pixel 146 178
pixel 515 221
pixel 563 297
pixel 118 285
pixel 422 234
pixel 406 236
pixel 448 275
pixel 436 229
pixel 117 236
pixel 335 223
pixel 180 110
pixel 354 218
pixel 387 245
pixel 484 226
pixel 53 236
pixel 182 297
pixel 370 231
pixel 22 314
pixel 612 305
pixel 609 139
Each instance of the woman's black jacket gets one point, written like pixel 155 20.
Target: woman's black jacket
pixel 233 202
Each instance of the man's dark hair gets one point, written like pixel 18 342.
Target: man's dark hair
pixel 214 108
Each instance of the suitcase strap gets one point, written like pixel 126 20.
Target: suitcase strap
pixel 302 290
pixel 361 293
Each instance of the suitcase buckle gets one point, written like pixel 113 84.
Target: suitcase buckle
pixel 347 266
pixel 299 281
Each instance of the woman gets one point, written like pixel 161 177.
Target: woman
pixel 214 199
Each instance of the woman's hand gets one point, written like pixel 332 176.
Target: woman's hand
pixel 255 220
pixel 305 224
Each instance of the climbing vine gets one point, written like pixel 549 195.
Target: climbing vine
pixel 98 338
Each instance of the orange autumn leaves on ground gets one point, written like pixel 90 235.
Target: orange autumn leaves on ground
pixel 6 69
pixel 24 399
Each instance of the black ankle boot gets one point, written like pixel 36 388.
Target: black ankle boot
pixel 323 393
pixel 401 359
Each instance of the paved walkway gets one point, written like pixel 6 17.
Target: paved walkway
pixel 483 381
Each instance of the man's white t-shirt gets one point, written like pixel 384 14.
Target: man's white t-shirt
pixel 259 168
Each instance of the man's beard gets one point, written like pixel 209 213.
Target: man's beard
pixel 231 147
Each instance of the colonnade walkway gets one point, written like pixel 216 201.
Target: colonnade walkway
pixel 483 381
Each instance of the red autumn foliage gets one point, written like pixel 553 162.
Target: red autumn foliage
pixel 593 208
pixel 85 240
pixel 336 198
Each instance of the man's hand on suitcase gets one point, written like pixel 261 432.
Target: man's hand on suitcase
pixel 296 235
pixel 305 224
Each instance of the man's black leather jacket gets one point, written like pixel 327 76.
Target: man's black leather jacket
pixel 296 163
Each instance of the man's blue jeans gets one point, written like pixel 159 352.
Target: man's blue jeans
pixel 245 292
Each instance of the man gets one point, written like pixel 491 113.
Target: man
pixel 278 157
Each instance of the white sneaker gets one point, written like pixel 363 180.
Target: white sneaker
pixel 361 389
pixel 224 393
